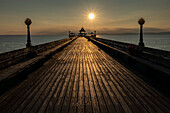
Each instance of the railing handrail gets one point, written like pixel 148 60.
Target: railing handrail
pixel 14 53
pixel 10 58
pixel 157 52
pixel 157 56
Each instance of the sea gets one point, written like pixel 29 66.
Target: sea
pixel 14 42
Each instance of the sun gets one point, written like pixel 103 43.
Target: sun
pixel 91 16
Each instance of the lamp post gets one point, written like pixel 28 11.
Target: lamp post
pixel 94 34
pixel 141 22
pixel 28 23
pixel 69 33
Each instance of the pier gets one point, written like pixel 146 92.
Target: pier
pixel 81 75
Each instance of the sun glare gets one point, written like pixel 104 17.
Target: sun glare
pixel 91 16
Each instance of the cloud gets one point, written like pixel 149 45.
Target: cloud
pixel 155 30
pixel 117 31
pixel 105 31
pixel 63 30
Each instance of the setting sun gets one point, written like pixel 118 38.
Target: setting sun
pixel 91 16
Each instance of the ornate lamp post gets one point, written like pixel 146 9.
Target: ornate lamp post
pixel 141 22
pixel 28 23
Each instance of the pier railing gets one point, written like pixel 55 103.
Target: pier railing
pixel 10 58
pixel 147 69
pixel 160 57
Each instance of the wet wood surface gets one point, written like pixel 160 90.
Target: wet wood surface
pixel 83 79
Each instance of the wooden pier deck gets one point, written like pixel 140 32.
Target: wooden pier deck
pixel 83 79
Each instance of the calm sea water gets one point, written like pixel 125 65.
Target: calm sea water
pixel 13 42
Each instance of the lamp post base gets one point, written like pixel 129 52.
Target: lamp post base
pixel 141 44
pixel 28 45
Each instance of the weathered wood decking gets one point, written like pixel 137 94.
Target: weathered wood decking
pixel 83 79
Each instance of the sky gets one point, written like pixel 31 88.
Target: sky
pixel 57 17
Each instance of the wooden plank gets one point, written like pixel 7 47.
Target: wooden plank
pixel 46 102
pixel 88 99
pixel 106 96
pixel 67 101
pixel 59 106
pixel 74 98
pixel 80 107
pixel 66 80
pixel 99 93
pixel 121 99
pixel 94 98
pixel 105 82
pixel 58 87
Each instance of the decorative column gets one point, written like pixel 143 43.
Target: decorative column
pixel 141 22
pixel 28 23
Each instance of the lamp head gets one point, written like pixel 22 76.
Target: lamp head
pixel 141 21
pixel 28 21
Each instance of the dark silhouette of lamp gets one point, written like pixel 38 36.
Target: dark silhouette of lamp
pixel 69 33
pixel 94 34
pixel 28 23
pixel 141 22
